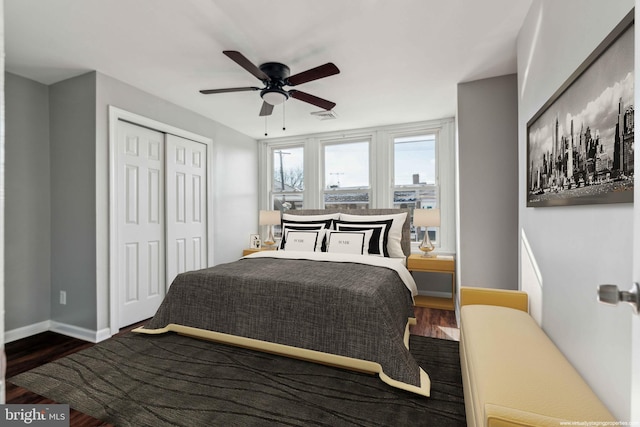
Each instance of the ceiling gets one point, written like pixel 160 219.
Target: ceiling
pixel 400 61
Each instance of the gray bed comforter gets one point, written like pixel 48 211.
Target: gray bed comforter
pixel 349 309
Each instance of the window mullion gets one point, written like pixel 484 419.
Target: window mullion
pixel 312 167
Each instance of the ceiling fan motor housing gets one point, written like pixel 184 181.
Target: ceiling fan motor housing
pixel 278 74
pixel 276 71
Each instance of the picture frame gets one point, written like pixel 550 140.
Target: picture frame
pixel 254 241
pixel 580 144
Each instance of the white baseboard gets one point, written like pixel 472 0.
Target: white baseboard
pixel 26 331
pixel 60 328
pixel 80 333
pixel 103 334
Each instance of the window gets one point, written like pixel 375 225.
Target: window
pixel 405 166
pixel 287 183
pixel 346 175
pixel 415 178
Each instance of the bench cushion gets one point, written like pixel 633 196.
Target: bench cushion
pixel 511 367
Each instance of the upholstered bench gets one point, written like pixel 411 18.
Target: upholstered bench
pixel 512 373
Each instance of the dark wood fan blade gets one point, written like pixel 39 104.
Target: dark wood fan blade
pixel 242 61
pixel 326 70
pixel 266 109
pixel 231 89
pixel 311 99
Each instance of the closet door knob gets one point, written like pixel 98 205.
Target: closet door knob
pixel 610 294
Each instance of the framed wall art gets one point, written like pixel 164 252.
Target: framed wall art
pixel 254 241
pixel 580 144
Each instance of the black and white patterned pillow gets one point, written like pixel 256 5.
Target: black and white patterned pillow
pixel 379 237
pixel 348 242
pixel 304 241
pixel 288 225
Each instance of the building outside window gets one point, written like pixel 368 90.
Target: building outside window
pixel 415 169
pixel 346 175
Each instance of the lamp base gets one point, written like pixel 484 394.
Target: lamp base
pixel 427 247
pixel 429 255
pixel 270 241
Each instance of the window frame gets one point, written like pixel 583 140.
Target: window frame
pixel 381 168
pixel 408 134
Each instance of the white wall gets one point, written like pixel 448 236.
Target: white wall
pixel 635 323
pixel 576 247
pixel 487 171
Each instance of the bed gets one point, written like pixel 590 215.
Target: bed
pixel 329 304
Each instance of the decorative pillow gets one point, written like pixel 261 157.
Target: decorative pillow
pixel 305 241
pixel 379 236
pixel 288 225
pixel 394 246
pixel 348 242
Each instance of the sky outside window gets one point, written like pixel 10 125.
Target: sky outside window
pixel 346 165
pixel 415 155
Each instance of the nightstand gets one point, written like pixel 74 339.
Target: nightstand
pixel 436 264
pixel 249 251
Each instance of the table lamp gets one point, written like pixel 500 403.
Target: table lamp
pixel 269 218
pixel 426 218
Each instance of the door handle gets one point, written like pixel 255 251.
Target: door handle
pixel 610 294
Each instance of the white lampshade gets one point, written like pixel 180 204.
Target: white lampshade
pixel 274 97
pixel 269 217
pixel 426 217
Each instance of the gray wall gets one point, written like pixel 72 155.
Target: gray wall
pixel 577 247
pixel 72 105
pixel 487 183
pixel 27 225
pixel 57 193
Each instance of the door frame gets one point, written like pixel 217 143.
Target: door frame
pixel 116 114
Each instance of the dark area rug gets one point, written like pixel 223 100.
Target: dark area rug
pixel 163 380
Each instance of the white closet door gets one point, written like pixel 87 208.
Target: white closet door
pixel 141 222
pixel 186 206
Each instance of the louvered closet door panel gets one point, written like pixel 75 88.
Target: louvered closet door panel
pixel 141 222
pixel 186 206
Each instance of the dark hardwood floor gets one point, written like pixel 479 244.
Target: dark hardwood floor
pixel 436 324
pixel 36 350
pixel 28 353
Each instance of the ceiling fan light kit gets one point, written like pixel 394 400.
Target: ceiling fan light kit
pixel 275 76
pixel 274 96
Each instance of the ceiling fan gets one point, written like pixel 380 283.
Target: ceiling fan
pixel 275 76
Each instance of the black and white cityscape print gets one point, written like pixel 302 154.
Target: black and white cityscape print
pixel 581 148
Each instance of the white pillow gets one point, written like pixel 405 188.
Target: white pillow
pixel 305 241
pixel 379 236
pixel 394 247
pixel 288 225
pixel 348 242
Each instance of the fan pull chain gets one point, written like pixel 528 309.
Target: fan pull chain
pixel 283 126
pixel 265 126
